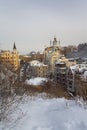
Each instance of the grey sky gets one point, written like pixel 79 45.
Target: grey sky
pixel 32 23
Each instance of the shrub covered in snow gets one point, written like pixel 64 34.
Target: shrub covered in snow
pixel 85 75
pixel 36 81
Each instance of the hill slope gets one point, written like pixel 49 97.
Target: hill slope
pixel 37 113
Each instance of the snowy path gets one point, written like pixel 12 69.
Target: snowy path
pixel 46 114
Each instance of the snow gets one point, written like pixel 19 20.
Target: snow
pixel 74 67
pixel 78 67
pixel 59 62
pixel 2 75
pixel 85 75
pixel 37 63
pixel 37 113
pixel 36 81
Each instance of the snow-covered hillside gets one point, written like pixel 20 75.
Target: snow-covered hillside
pixel 37 113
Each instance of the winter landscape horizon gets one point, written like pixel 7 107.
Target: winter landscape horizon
pixel 43 65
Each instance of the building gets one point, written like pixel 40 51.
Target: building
pixel 68 50
pixel 10 58
pixel 81 86
pixel 38 69
pixel 52 54
pixel 70 80
pixel 68 61
pixel 37 56
pixel 60 73
pixel 65 76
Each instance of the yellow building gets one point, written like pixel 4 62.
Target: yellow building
pixel 12 58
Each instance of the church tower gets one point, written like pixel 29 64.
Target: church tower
pixel 56 43
pixel 15 57
pixel 14 48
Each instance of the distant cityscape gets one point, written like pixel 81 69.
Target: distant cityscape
pixel 62 64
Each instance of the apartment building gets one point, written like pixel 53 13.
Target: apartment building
pixel 38 69
pixel 60 73
pixel 10 58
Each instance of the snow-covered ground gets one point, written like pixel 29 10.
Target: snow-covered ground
pixel 37 113
pixel 36 81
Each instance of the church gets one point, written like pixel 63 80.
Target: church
pixel 52 54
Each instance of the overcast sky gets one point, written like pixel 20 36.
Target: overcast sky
pixel 32 23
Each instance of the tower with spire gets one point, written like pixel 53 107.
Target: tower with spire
pixel 15 57
pixel 14 49
pixel 14 46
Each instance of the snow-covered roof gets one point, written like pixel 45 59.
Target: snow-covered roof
pixel 37 63
pixel 78 67
pixel 27 56
pixel 74 68
pixel 59 62
pixel 71 59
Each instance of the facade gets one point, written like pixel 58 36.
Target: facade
pixel 37 56
pixel 60 73
pixel 81 86
pixel 65 76
pixel 70 80
pixel 38 69
pixel 11 58
pixel 75 74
